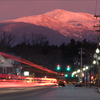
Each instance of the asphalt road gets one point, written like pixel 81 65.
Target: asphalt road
pixel 69 92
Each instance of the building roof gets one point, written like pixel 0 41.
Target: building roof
pixel 4 62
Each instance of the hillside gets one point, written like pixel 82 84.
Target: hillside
pixel 58 25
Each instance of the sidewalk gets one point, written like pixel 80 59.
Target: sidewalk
pixel 94 87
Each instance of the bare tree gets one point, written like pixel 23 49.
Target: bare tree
pixel 6 40
pixel 37 38
pixel 37 41
pixel 25 38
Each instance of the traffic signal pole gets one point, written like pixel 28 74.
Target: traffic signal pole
pixel 81 65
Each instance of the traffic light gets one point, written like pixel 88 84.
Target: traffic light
pixel 62 74
pixel 58 67
pixel 72 75
pixel 66 75
pixel 68 68
pixel 92 77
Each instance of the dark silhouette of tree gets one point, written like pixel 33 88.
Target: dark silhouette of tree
pixel 37 38
pixel 25 38
pixel 6 40
pixel 41 53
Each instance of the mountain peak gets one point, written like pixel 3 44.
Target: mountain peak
pixel 64 16
pixel 59 10
pixel 69 24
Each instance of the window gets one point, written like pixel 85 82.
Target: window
pixel 4 70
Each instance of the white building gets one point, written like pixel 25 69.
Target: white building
pixel 5 66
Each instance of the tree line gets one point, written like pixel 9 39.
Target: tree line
pixel 36 48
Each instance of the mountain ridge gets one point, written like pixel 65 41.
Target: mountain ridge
pixel 75 25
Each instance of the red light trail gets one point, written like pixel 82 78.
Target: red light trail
pixel 27 62
pixel 29 69
pixel 22 81
pixel 10 80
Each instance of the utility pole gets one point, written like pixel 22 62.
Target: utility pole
pixel 81 63
pixel 98 45
pixel 81 53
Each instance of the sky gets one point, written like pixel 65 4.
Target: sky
pixel 12 9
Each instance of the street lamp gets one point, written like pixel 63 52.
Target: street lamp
pixel 78 71
pixel 87 67
pixel 97 50
pixel 85 76
pixel 94 62
pixel 96 55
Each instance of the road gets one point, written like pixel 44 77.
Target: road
pixel 69 92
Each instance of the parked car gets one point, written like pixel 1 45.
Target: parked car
pixel 78 84
pixel 61 83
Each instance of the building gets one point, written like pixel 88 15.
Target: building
pixel 5 66
pixel 9 66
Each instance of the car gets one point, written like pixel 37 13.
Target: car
pixel 61 83
pixel 78 84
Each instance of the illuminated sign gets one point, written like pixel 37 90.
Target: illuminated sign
pixel 26 73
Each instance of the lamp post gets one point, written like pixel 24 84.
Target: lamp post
pixel 96 55
pixel 85 69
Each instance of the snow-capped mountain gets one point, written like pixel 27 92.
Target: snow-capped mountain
pixel 68 24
